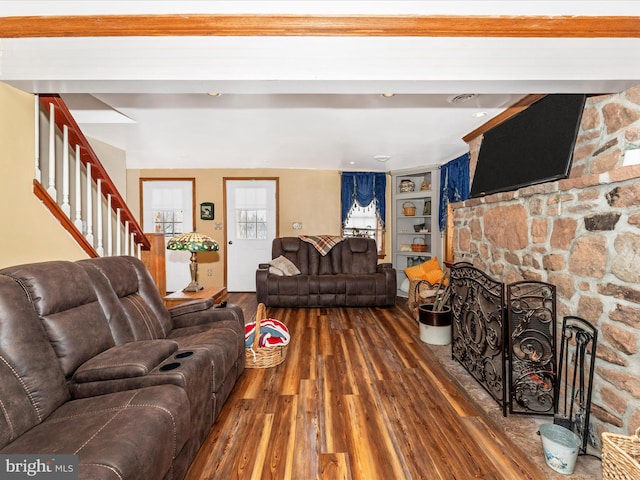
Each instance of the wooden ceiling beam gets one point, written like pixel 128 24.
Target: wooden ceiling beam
pixel 314 25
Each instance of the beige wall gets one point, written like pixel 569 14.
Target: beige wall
pixel 114 161
pixel 30 233
pixel 311 197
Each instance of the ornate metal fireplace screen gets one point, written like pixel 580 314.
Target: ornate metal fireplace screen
pixel 531 310
pixel 478 328
pixel 491 336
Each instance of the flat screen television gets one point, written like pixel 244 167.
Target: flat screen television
pixel 534 146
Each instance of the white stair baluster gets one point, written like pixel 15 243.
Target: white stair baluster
pixel 109 227
pixel 99 246
pixel 89 234
pixel 78 195
pixel 126 237
pixel 118 232
pixel 132 248
pixel 66 208
pixel 36 105
pixel 52 154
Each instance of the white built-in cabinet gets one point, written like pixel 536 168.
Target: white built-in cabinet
pixel 414 191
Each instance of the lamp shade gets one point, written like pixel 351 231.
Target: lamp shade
pixel 193 242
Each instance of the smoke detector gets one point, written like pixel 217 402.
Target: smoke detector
pixel 382 158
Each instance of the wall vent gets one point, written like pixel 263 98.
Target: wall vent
pixel 461 98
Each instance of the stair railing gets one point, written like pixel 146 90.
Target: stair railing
pixel 78 189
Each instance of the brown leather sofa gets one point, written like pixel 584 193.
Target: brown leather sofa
pixel 349 275
pixel 93 364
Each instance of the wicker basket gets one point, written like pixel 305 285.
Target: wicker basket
pixel 420 292
pixel 620 456
pixel 408 209
pixel 263 357
pixel 407 186
pixel 418 247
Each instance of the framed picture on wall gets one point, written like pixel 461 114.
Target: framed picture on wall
pixel 206 211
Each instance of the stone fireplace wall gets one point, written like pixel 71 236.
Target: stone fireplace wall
pixel 581 234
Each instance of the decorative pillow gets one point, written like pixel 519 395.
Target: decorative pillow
pixel 429 271
pixel 276 271
pixel 286 266
pixel 414 272
pixel 430 265
pixel 432 272
pixel 434 276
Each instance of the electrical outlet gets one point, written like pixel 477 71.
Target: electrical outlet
pixel 209 272
pixel 296 225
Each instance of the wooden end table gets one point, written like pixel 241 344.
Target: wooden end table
pixel 176 298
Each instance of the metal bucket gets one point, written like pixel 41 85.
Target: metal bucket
pixel 560 446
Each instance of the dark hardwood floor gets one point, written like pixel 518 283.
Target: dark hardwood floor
pixel 358 397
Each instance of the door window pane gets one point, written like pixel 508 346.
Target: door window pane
pixel 251 216
pixel 168 221
pixel 251 224
pixel 164 205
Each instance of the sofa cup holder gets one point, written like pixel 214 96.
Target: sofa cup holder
pixel 185 354
pixel 167 367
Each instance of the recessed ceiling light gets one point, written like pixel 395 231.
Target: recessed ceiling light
pixel 479 114
pixel 382 158
pixel 352 163
pixel 388 95
pixel 214 94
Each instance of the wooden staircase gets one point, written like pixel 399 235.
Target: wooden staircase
pixel 73 184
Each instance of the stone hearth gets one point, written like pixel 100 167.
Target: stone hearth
pixel 521 429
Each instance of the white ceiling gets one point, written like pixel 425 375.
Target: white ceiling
pixel 306 102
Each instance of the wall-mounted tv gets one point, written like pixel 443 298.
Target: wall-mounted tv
pixel 534 146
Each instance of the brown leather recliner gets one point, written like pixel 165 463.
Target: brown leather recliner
pixel 40 417
pixel 349 275
pixel 93 364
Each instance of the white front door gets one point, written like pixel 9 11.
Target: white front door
pixel 251 227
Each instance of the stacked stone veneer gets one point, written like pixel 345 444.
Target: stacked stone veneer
pixel 581 234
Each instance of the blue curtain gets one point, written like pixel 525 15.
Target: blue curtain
pixel 363 188
pixel 454 185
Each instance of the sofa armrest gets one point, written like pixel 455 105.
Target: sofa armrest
pixel 194 314
pixel 262 276
pixel 382 266
pixel 188 368
pixel 191 306
pixel 390 280
pixel 388 271
pixel 135 359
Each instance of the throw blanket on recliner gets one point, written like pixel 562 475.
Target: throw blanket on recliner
pixel 323 243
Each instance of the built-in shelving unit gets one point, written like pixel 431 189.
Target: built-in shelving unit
pixel 416 191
